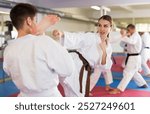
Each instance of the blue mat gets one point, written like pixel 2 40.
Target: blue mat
pixel 2 73
pixel 119 54
pixel 8 88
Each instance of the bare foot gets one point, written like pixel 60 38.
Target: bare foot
pixel 90 94
pixel 108 88
pixel 144 86
pixel 115 91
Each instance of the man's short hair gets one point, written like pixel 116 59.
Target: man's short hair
pixel 20 12
pixel 131 26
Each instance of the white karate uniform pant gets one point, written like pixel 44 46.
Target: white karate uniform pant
pixel 131 71
pixel 69 92
pixel 145 54
pixel 71 87
pixel 123 62
pixel 71 84
pixel 96 75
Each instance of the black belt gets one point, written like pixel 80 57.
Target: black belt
pixel 147 47
pixel 88 68
pixel 128 55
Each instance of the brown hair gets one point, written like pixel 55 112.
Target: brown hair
pixel 131 26
pixel 20 12
pixel 106 17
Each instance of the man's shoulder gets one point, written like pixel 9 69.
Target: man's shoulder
pixel 44 37
pixel 47 40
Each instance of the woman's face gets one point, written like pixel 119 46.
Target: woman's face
pixel 104 27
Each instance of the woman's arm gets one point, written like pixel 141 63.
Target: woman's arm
pixel 74 40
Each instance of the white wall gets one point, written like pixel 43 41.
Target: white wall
pixel 70 25
pixel 74 25
pixel 115 39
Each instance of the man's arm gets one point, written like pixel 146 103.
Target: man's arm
pixel 57 57
pixel 45 23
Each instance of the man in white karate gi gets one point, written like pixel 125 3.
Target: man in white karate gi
pixel 35 63
pixel 133 61
pixel 145 53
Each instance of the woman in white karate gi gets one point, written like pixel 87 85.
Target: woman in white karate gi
pixel 133 61
pixel 95 48
pixel 145 53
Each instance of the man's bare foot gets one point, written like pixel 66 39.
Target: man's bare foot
pixel 144 86
pixel 115 91
pixel 108 88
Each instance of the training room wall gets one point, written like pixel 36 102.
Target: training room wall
pixel 72 25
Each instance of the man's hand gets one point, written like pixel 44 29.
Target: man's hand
pixel 46 22
pixel 123 34
pixel 126 34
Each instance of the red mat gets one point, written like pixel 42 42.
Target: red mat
pixel 117 67
pixel 14 95
pixel 101 92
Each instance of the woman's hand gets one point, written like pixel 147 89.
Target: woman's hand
pixel 57 34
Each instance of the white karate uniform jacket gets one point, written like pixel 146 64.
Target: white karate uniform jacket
pixel 134 45
pixel 88 45
pixel 35 64
pixel 145 53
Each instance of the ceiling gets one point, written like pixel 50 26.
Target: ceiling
pixel 81 3
pixel 122 11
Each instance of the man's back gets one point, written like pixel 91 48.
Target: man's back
pixel 34 63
